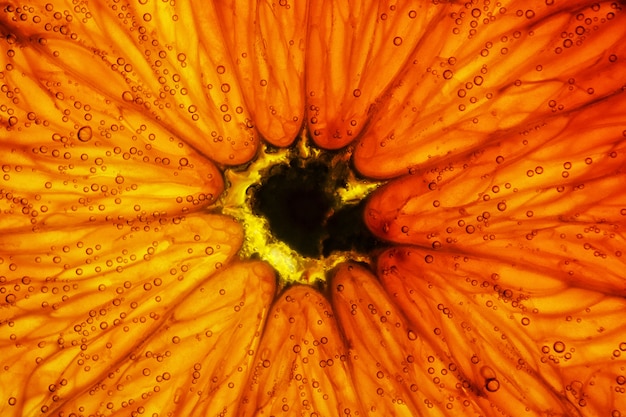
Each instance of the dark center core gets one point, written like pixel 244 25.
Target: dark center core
pixel 301 202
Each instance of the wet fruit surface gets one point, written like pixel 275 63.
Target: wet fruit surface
pixel 483 143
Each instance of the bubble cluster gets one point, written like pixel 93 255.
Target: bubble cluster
pixel 298 366
pixel 76 158
pixel 498 354
pixel 500 286
pixel 95 294
pixel 335 123
pixel 518 68
pixel 275 37
pixel 147 78
pixel 515 201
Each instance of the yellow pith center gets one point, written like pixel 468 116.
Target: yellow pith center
pixel 259 241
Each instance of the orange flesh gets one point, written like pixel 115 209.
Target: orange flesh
pixel 499 126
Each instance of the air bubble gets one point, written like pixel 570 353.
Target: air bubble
pixel 84 133
pixel 492 384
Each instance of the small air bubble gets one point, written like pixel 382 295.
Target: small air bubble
pixel 84 133
pixel 492 385
pixel 397 41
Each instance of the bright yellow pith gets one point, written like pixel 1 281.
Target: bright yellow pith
pixel 259 241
